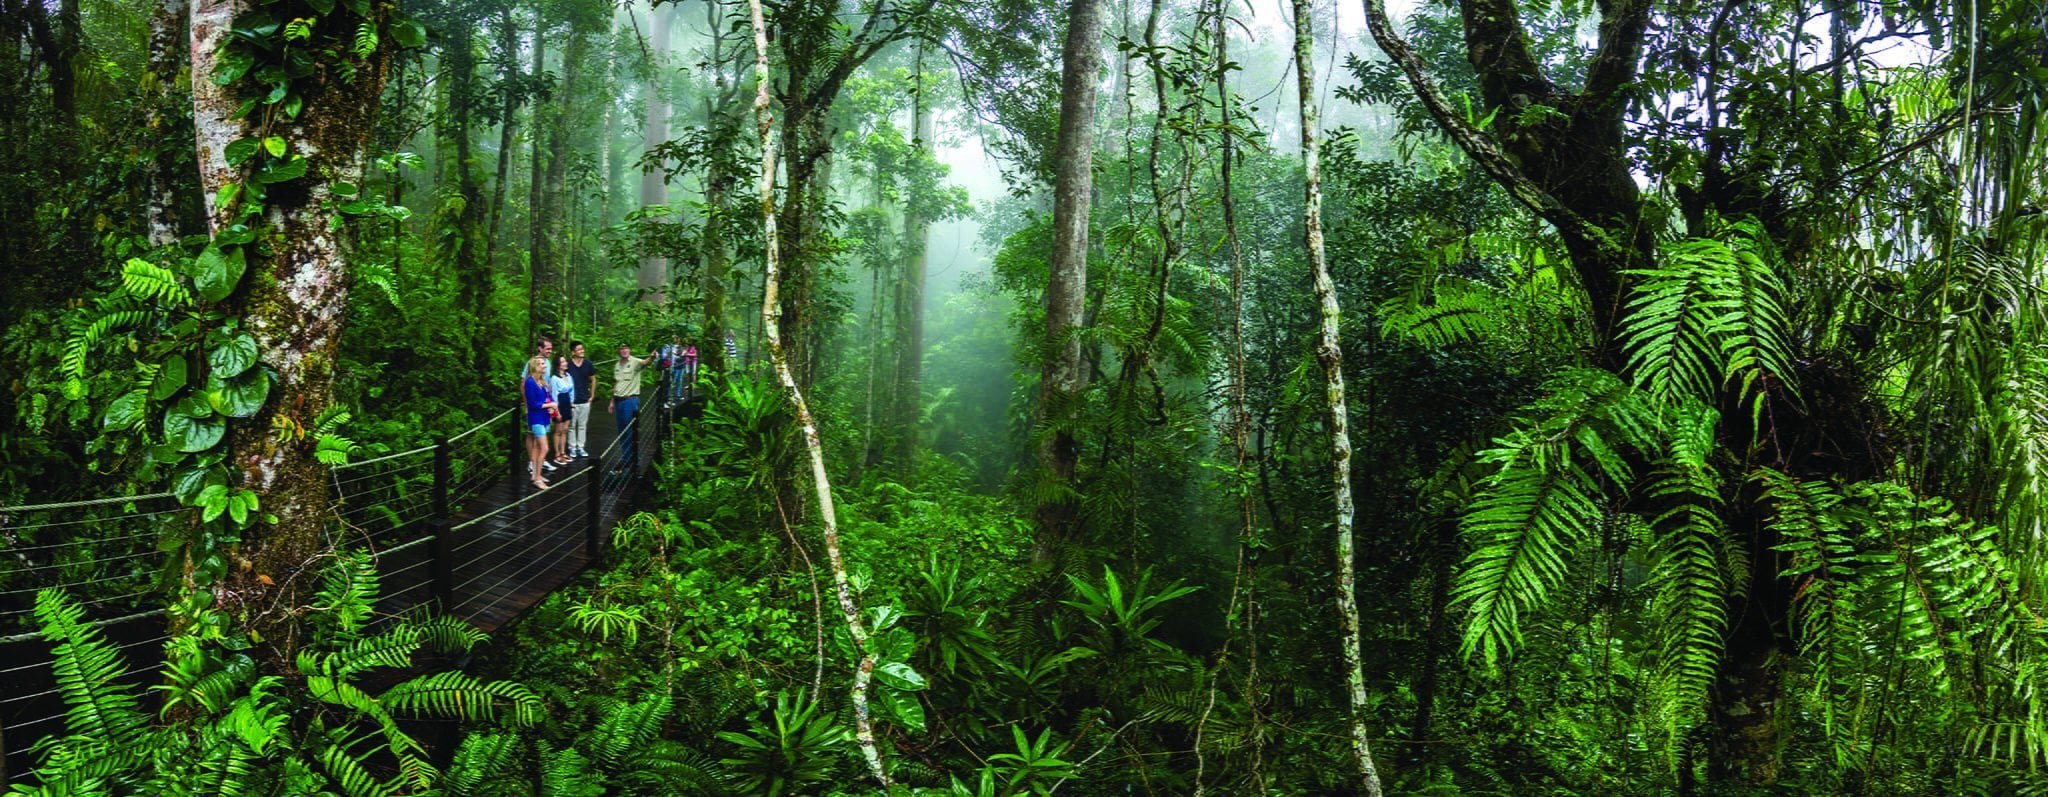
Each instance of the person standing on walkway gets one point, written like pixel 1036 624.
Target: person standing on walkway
pixel 690 370
pixel 539 407
pixel 671 358
pixel 544 349
pixel 583 373
pixel 563 387
pixel 626 399
pixel 732 352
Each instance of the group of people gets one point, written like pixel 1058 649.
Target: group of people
pixel 560 390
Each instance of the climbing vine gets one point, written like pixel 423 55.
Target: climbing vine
pixel 187 366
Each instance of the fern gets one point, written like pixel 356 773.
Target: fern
pixel 365 44
pixel 154 283
pixel 87 669
pixel 1691 584
pixel 1711 312
pixel 116 314
pixel 464 696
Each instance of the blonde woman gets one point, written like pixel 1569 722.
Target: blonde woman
pixel 564 389
pixel 540 407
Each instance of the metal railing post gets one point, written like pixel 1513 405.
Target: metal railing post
pixel 440 554
pixel 517 462
pixel 593 512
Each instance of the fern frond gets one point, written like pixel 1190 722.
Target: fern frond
pixel 155 283
pixel 87 669
pixel 464 696
pixel 1691 585
pixel 1710 312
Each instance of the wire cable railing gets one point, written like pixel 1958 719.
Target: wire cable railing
pixel 451 525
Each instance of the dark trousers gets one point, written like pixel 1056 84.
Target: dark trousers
pixel 626 408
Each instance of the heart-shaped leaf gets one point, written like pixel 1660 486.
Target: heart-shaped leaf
pixel 242 396
pixel 170 378
pixel 218 272
pixel 125 412
pixel 230 359
pixel 193 434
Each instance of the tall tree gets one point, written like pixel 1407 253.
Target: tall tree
pixel 1330 353
pixel 291 305
pixel 652 278
pixel 771 310
pixel 1064 374
pixel 917 226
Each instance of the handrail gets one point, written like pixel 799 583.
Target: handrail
pixel 88 502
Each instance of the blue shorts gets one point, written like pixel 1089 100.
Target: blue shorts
pixel 540 430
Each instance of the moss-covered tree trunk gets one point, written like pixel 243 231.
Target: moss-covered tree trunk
pixel 1330 353
pixel 291 302
pixel 464 248
pixel 1064 374
pixel 771 310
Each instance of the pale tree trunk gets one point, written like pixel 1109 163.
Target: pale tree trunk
pixel 536 192
pixel 653 275
pixel 292 303
pixel 771 312
pixel 1330 352
pixel 1064 375
pixel 169 178
pixel 909 392
pixel 551 252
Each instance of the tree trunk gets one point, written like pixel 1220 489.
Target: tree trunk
pixel 465 250
pixel 536 191
pixel 909 392
pixel 1330 353
pixel 771 309
pixel 292 303
pixel 1064 375
pixel 551 251
pixel 653 275
pixel 508 125
pixel 717 188
pixel 172 177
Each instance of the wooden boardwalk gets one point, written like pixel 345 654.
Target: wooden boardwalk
pixel 502 549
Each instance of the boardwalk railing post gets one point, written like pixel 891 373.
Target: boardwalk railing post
pixel 516 461
pixel 593 506
pixel 440 557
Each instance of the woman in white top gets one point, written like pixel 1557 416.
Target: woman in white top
pixel 563 387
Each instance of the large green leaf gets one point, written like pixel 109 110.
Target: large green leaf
pixel 218 272
pixel 242 396
pixel 899 675
pixel 193 406
pixel 230 359
pixel 170 378
pixel 906 708
pixel 125 412
pixel 193 434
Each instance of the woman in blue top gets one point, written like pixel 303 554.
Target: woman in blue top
pixel 538 414
pixel 563 386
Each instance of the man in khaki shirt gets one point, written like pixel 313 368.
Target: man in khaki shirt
pixel 626 399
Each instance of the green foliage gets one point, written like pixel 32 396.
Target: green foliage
pixel 229 730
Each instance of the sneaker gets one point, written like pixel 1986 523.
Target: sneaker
pixel 547 466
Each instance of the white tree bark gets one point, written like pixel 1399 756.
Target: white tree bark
pixel 291 301
pixel 1330 352
pixel 653 274
pixel 771 316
